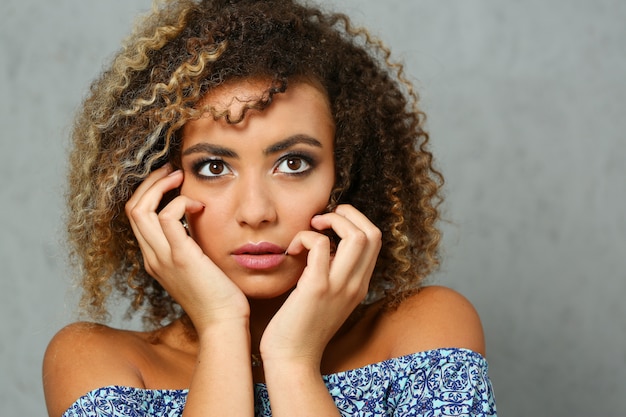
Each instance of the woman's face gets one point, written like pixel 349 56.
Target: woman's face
pixel 261 180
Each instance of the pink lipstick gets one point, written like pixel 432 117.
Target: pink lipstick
pixel 259 256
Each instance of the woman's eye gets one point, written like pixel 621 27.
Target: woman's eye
pixel 293 165
pixel 213 168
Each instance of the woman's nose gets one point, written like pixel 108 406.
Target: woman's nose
pixel 255 203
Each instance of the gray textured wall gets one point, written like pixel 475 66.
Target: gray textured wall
pixel 525 103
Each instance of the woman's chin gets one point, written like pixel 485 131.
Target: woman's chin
pixel 267 292
pixel 265 285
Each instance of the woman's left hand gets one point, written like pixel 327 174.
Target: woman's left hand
pixel 330 288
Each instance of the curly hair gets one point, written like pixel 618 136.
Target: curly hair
pixel 130 124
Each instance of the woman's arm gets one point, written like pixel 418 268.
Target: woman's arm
pixel 329 289
pixel 222 379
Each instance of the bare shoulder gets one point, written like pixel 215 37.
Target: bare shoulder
pixel 435 317
pixel 85 356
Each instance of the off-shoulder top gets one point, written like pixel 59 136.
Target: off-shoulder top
pixel 439 382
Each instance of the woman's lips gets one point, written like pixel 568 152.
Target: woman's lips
pixel 259 256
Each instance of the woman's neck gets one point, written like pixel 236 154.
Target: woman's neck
pixel 261 313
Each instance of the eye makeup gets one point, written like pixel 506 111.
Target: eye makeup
pixel 301 158
pixel 210 168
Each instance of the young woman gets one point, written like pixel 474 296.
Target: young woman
pixel 255 177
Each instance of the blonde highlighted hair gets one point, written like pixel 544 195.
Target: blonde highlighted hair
pixel 130 124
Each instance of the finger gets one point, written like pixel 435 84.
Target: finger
pixel 352 237
pixel 373 233
pixel 318 257
pixel 358 249
pixel 311 241
pixel 359 220
pixel 169 219
pixel 142 212
pixel 346 229
pixel 153 177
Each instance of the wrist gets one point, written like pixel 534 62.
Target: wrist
pixel 224 329
pixel 295 367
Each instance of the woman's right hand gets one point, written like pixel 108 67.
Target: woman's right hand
pixel 175 260
pixel 222 378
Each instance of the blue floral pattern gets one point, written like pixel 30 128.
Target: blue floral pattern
pixel 440 382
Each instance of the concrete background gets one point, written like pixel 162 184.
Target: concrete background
pixel 525 103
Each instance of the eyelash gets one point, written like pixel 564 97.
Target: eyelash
pixel 199 165
pixel 304 157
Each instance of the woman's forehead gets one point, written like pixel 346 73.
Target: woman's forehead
pixel 234 97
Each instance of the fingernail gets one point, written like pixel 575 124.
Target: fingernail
pixel 174 173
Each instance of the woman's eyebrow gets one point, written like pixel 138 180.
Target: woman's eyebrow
pixel 211 149
pixel 292 141
pixel 222 151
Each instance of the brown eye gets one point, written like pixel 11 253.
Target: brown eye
pixel 213 168
pixel 293 165
pixel 216 168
